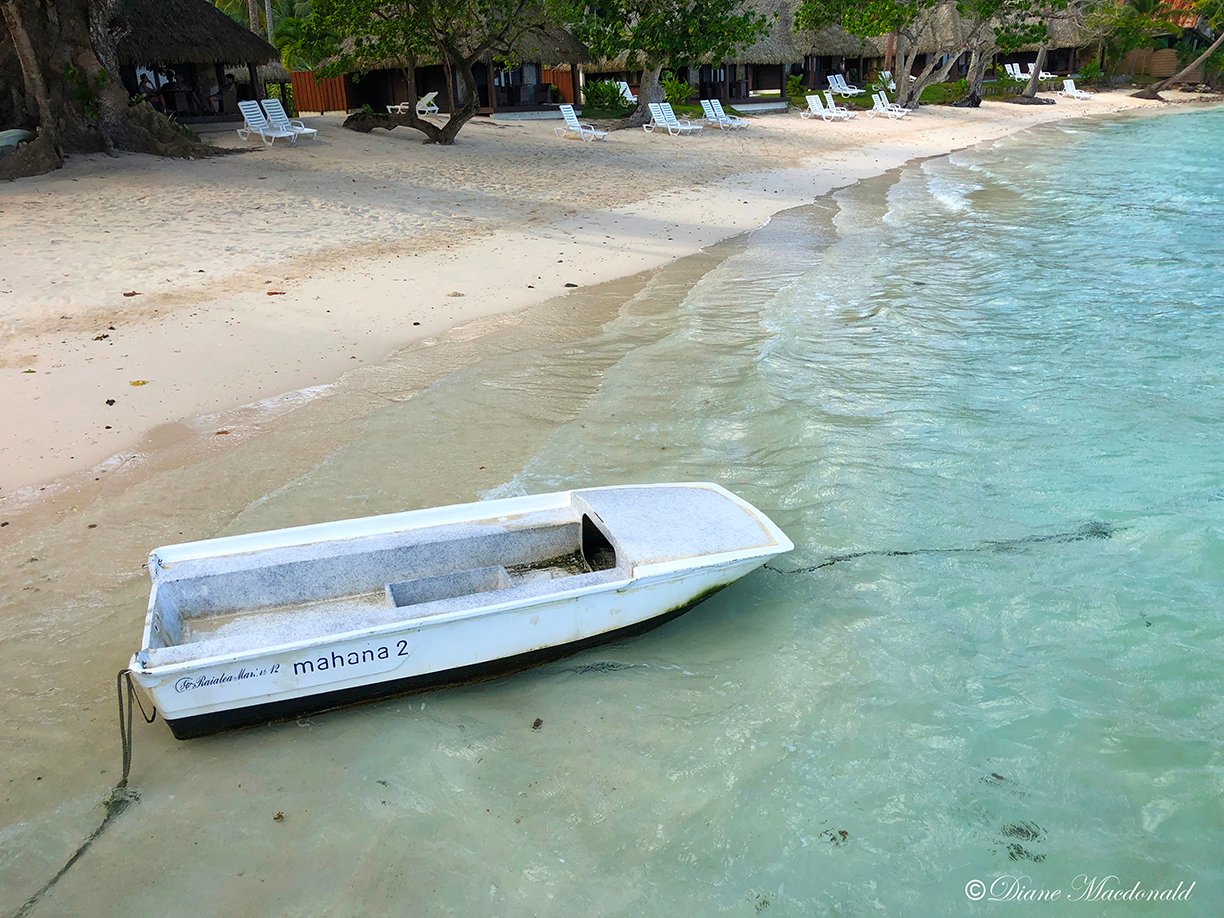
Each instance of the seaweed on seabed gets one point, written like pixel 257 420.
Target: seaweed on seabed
pixel 1024 831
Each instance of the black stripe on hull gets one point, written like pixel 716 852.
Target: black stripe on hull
pixel 290 708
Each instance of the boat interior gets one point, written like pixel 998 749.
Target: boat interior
pixel 229 603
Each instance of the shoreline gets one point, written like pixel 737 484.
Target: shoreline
pixel 213 357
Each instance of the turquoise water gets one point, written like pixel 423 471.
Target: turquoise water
pixel 1006 367
pixel 983 397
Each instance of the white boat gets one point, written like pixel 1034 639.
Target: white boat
pixel 252 628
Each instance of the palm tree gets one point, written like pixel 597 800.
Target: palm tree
pixel 274 12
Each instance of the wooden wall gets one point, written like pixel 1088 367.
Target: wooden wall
pixel 1157 63
pixel 561 78
pixel 314 95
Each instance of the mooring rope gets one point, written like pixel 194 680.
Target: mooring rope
pixel 1094 530
pixel 120 796
pixel 125 725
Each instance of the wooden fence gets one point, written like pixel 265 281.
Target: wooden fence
pixel 311 94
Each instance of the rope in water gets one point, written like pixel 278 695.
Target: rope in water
pixel 125 726
pixel 118 799
pixel 1093 530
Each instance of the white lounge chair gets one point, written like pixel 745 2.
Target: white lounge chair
pixel 881 106
pixel 574 126
pixel 735 120
pixel 662 115
pixel 281 120
pixel 1071 92
pixel 255 122
pixel 627 93
pixel 714 114
pixel 424 106
pixel 838 84
pixel 839 110
pixel 1044 75
pixel 817 109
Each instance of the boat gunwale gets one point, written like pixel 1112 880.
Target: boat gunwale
pixel 480 511
pixel 652 574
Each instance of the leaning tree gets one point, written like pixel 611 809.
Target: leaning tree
pixel 59 57
pixel 351 36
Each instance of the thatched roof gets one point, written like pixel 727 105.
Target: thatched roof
pixel 552 46
pixel 186 31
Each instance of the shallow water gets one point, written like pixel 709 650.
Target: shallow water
pixel 982 395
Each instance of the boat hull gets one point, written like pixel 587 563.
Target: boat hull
pixel 292 681
pixel 289 709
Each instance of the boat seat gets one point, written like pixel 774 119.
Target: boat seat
pixel 447 586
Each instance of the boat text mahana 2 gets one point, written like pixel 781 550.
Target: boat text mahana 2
pixel 251 628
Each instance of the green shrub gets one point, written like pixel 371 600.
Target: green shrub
pixel 675 90
pixel 1089 72
pixel 604 96
pixel 794 85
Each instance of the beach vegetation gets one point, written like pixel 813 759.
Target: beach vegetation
pixel 675 90
pixel 291 39
pixel 1089 72
pixel 355 36
pixel 606 98
pixel 264 16
pixel 655 34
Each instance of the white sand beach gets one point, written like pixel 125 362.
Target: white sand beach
pixel 136 292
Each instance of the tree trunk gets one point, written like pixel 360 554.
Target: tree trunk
pixel 253 15
pixel 268 18
pixel 979 60
pixel 1153 92
pixel 1034 83
pixel 651 90
pixel 905 56
pixel 444 134
pixel 64 47
pixel 909 94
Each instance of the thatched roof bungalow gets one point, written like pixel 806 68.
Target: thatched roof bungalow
pixel 764 66
pixel 544 70
pixel 193 42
